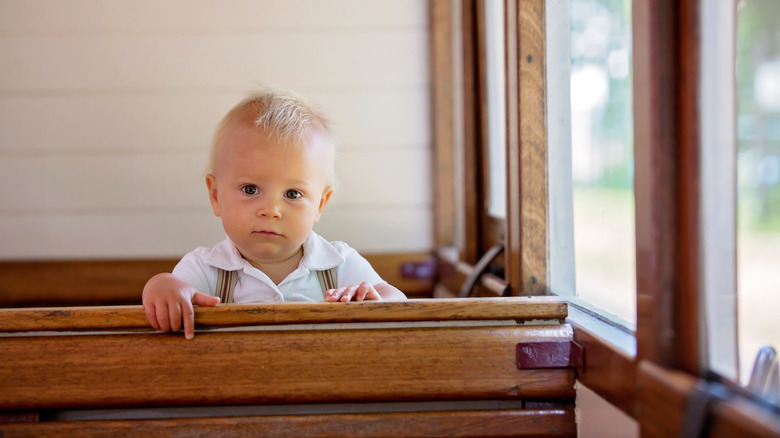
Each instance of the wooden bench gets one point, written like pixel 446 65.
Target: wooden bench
pixel 407 368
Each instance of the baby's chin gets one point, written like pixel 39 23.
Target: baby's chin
pixel 268 255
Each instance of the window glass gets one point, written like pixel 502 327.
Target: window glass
pixel 758 178
pixel 496 112
pixel 602 155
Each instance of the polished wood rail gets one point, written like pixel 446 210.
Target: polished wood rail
pixel 232 315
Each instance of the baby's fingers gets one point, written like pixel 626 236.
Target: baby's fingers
pixel 333 294
pixel 174 313
pixel 364 291
pixel 336 294
pixel 188 317
pixel 161 311
pixel 349 292
pixel 151 315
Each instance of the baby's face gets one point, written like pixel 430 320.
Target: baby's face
pixel 268 195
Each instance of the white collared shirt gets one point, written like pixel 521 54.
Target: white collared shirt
pixel 199 269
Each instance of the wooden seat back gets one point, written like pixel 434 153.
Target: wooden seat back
pixel 333 354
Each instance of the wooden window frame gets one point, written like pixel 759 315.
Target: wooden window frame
pixel 666 345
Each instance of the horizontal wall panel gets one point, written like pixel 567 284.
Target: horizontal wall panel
pixel 173 234
pixel 107 110
pixel 100 16
pixel 154 122
pixel 377 230
pixel 105 123
pixel 50 183
pixel 387 59
pixel 379 116
pixel 173 180
pixel 403 178
pixel 121 235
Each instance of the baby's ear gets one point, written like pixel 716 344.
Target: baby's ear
pixel 211 184
pixel 326 194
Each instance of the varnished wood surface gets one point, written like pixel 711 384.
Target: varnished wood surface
pixel 666 98
pixel 443 126
pixel 133 317
pixel 76 282
pixel 527 252
pixel 514 423
pixel 120 282
pixel 662 395
pixel 608 371
pixel 469 92
pixel 277 366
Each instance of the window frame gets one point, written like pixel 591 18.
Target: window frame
pixel 628 371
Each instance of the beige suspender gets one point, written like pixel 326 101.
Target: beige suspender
pixel 226 283
pixel 327 279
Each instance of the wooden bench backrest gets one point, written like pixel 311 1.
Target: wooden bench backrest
pixel 417 350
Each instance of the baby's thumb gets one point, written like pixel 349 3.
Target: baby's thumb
pixel 200 299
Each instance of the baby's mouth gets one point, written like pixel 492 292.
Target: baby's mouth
pixel 266 233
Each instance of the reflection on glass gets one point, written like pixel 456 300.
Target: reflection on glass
pixel 602 155
pixel 758 178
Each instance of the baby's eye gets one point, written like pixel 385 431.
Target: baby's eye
pixel 250 189
pixel 293 194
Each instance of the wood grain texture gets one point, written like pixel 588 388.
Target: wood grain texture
pixel 443 89
pixel 527 252
pixel 231 315
pixel 76 282
pixel 279 366
pixel 457 424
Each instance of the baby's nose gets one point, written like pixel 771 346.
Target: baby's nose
pixel 269 208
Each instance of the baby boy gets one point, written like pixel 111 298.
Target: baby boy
pixel 269 179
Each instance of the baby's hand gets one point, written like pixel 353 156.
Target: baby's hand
pixel 361 292
pixel 168 302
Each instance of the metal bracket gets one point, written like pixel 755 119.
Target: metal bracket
pixel 699 403
pixel 479 269
pixel 550 354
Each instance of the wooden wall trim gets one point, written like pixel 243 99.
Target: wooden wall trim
pixel 120 282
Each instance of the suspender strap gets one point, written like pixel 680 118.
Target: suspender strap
pixel 327 279
pixel 226 284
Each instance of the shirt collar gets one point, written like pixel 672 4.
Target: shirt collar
pixel 318 255
pixel 225 255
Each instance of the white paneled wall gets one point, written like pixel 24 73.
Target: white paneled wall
pixel 107 109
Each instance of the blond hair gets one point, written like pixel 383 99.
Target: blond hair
pixel 282 115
